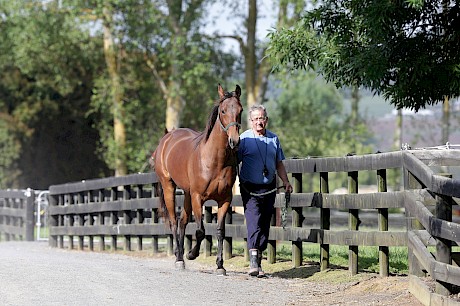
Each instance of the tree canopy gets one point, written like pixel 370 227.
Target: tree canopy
pixel 57 106
pixel 47 62
pixel 309 117
pixel 407 51
pixel 56 111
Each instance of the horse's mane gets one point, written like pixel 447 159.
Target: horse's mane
pixel 211 121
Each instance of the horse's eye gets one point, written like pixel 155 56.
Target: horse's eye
pixel 223 112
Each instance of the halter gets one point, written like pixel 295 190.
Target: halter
pixel 225 128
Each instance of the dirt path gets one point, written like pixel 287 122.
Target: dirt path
pixel 31 273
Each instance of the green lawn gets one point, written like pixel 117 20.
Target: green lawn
pixel 368 260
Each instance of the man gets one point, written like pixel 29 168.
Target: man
pixel 262 158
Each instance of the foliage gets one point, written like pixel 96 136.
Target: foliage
pixel 56 114
pixel 145 46
pixel 405 50
pixel 56 119
pixel 9 148
pixel 47 62
pixel 309 118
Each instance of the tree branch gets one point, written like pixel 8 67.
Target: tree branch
pixel 157 76
pixel 239 39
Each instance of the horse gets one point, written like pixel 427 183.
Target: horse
pixel 204 165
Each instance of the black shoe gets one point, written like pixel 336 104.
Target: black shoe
pixel 253 262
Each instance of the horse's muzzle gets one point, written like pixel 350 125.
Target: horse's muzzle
pixel 233 144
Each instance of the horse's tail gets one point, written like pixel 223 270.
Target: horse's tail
pixel 162 210
pixel 152 160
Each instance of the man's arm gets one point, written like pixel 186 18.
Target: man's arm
pixel 283 176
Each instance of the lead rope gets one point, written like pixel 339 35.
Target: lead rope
pixel 287 199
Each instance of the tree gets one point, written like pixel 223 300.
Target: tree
pixel 161 73
pixel 47 63
pixel 113 68
pixel 180 58
pixel 405 50
pixel 256 66
pixel 308 115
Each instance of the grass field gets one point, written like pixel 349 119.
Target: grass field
pixel 368 260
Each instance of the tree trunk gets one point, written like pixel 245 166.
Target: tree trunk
pixel 257 71
pixel 174 105
pixel 116 94
pixel 397 140
pixel 445 120
pixel 250 54
pixel 174 100
pixel 354 115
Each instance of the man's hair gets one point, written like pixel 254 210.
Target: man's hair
pixel 257 107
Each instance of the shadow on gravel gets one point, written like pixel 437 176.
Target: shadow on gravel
pixel 300 272
pixel 307 270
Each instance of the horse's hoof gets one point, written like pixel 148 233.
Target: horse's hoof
pixel 190 256
pixel 180 265
pixel 221 271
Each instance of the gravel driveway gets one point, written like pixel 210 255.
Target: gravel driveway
pixel 31 273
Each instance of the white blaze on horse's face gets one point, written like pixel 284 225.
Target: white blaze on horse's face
pixel 229 116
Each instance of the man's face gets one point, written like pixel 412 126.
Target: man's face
pixel 259 121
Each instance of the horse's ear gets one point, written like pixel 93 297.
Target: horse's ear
pixel 238 91
pixel 221 91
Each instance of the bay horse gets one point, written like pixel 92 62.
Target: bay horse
pixel 204 165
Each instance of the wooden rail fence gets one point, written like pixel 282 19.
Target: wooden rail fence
pixel 102 213
pixel 17 214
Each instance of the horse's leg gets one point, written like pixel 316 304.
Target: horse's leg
pixel 183 221
pixel 200 233
pixel 169 191
pixel 221 213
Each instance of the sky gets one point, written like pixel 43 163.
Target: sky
pixel 220 21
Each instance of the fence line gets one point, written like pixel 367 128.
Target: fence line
pixel 16 214
pixel 107 210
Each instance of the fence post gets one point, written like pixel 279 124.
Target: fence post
pixel 101 220
pixel 297 219
pixel 353 223
pixel 155 220
pixel 325 216
pixel 60 220
pixel 81 221
pixel 271 247
pixel 139 216
pixel 127 217
pixel 6 219
pixel 29 221
pixel 444 246
pixel 114 219
pixel 383 224
pixel 207 238
pixel 71 220
pixel 415 268
pixel 53 221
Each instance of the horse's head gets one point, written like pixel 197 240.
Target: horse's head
pixel 229 115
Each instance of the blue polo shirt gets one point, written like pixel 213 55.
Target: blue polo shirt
pixel 256 151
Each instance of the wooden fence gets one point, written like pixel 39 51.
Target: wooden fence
pixel 17 214
pixel 107 210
